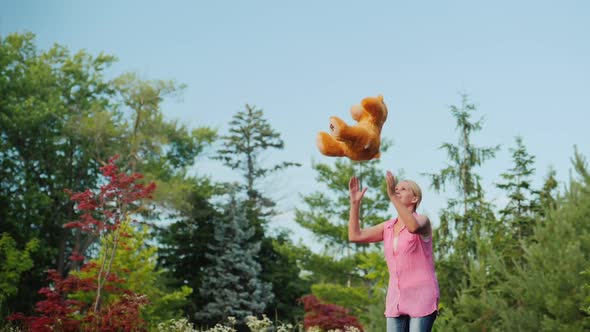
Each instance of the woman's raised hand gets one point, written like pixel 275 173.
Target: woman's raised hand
pixel 391 183
pixel 356 195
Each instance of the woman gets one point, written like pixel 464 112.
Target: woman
pixel 412 295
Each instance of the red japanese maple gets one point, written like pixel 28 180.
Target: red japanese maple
pixel 102 212
pixel 326 316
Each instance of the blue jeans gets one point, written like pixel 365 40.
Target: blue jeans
pixel 406 323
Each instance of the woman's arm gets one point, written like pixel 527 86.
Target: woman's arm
pixel 414 224
pixel 355 233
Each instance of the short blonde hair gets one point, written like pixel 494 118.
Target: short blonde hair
pixel 415 188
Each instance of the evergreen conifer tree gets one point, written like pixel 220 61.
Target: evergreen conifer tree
pixel 243 148
pixel 518 214
pixel 468 217
pixel 250 134
pixel 547 292
pixel 231 283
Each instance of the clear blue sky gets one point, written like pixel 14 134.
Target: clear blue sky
pixel 526 64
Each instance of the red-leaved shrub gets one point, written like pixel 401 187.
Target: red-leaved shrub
pixel 102 212
pixel 326 316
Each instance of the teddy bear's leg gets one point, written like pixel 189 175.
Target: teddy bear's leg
pixel 329 146
pixel 336 126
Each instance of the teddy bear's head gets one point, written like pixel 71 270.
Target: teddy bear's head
pixel 371 109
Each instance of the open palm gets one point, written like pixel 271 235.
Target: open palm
pixel 356 194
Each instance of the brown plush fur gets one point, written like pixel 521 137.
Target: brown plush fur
pixel 360 141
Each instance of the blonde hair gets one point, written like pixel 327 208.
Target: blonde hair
pixel 415 188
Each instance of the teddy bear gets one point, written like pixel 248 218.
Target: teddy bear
pixel 360 141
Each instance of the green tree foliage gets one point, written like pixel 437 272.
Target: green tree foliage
pixel 548 289
pixel 327 212
pixel 287 272
pixel 102 213
pixel 135 263
pixel 518 213
pixel 59 120
pixel 183 245
pixel 250 134
pixel 586 303
pixel 547 194
pixel 468 217
pixel 43 94
pixel 283 271
pixel 13 262
pixel 161 150
pixel 243 148
pixel 461 222
pixel 497 251
pixel 232 283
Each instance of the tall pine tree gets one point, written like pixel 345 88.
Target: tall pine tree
pixel 468 217
pixel 250 137
pixel 183 245
pixel 518 213
pixel 547 292
pixel 547 289
pixel 232 283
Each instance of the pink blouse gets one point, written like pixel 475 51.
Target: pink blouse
pixel 413 287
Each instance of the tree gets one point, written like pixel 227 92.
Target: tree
pixel 60 119
pixel 462 221
pixel 468 218
pixel 154 146
pixel 184 243
pixel 285 274
pixel 43 94
pixel 327 317
pixel 110 305
pixel 232 283
pixel 547 195
pixel 135 263
pixel 13 262
pixel 250 136
pixel 549 288
pixel 327 213
pixel 518 212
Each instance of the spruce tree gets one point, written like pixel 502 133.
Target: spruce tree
pixel 465 215
pixel 250 135
pixel 548 289
pixel 183 245
pixel 231 283
pixel 243 149
pixel 547 195
pixel 547 293
pixel 518 213
pixel 468 217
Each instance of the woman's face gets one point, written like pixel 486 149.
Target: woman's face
pixel 405 194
